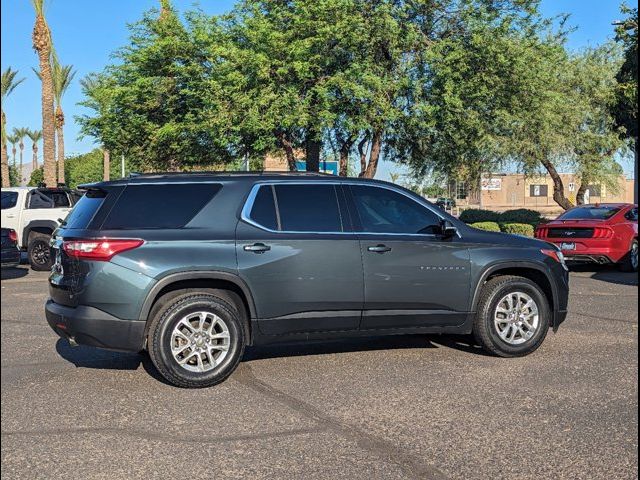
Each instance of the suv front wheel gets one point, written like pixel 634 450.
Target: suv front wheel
pixel 196 340
pixel 513 316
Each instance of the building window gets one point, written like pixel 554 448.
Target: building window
pixel 461 190
pixel 538 190
pixel 594 190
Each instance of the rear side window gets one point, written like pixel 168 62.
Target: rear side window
pixel 308 208
pixel 263 211
pixel 85 209
pixel 159 206
pixel 9 200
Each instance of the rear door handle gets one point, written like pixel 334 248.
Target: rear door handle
pixel 257 248
pixel 379 249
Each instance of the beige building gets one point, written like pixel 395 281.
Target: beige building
pixel 508 191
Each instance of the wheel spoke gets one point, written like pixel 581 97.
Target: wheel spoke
pixel 219 346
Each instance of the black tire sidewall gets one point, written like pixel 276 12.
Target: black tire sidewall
pixel 32 244
pixel 544 317
pixel 161 341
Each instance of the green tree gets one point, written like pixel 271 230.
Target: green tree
pixel 13 140
pixel 625 108
pixel 37 177
pixel 88 168
pixel 35 136
pixel 9 83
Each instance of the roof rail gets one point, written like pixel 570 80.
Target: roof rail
pixel 225 172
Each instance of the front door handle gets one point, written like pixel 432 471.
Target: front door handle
pixel 257 248
pixel 379 249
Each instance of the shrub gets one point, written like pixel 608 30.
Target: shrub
pixel 475 215
pixel 488 226
pixel 518 229
pixel 521 215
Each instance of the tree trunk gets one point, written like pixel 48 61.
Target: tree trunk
pixel 288 150
pixel 580 193
pixel 21 160
pixel 345 149
pixel 374 156
pixel 60 143
pixel 42 44
pixel 106 164
pixel 558 186
pixel 362 150
pixel 34 160
pixel 313 147
pixel 6 182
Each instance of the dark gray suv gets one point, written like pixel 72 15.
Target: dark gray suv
pixel 194 267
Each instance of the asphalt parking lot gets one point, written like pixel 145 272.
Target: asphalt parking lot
pixel 403 407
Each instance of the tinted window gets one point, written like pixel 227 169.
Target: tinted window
pixel 60 199
pixel 159 206
pixel 385 211
pixel 9 200
pixel 263 211
pixel 38 199
pixel 85 209
pixel 632 215
pixel 590 212
pixel 308 208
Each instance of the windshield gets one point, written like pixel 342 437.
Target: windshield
pixel 590 212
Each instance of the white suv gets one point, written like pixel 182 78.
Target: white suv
pixel 34 213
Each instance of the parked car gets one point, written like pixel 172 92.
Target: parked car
pixel 34 214
pixel 600 233
pixel 194 267
pixel 10 251
pixel 446 203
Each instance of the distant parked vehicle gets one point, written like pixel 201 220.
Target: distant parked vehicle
pixel 446 203
pixel 10 251
pixel 600 233
pixel 34 214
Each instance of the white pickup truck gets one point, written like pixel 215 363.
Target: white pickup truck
pixel 34 213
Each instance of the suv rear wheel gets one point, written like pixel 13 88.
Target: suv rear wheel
pixel 39 252
pixel 196 340
pixel 513 316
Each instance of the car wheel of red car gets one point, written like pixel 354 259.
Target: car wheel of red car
pixel 630 261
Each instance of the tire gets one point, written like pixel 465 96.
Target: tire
pixel 39 252
pixel 487 332
pixel 630 261
pixel 199 370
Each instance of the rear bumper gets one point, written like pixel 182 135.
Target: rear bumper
pixel 10 257
pixel 588 252
pixel 90 326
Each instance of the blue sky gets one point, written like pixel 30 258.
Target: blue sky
pixel 87 32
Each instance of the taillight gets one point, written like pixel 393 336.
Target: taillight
pixel 99 249
pixel 557 255
pixel 541 232
pixel 13 236
pixel 602 232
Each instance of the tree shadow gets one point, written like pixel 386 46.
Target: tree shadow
pixel 11 273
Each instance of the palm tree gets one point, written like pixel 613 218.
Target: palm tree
pixel 42 45
pixel 62 77
pixel 9 83
pixel 13 140
pixel 20 133
pixel 35 136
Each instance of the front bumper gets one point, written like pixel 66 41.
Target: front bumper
pixel 90 326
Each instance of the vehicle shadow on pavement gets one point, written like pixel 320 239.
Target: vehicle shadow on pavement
pixel 464 343
pixel 13 273
pixel 606 273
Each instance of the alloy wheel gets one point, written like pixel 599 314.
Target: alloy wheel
pixel 516 318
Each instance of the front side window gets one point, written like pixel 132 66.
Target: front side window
pixel 9 200
pixel 632 215
pixel 385 211
pixel 263 210
pixel 308 208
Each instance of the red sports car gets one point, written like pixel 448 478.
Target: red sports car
pixel 601 233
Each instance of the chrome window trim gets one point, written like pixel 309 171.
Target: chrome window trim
pixel 248 205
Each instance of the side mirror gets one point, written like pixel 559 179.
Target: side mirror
pixel 448 229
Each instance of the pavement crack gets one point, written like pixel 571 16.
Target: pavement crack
pixel 162 437
pixel 411 465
